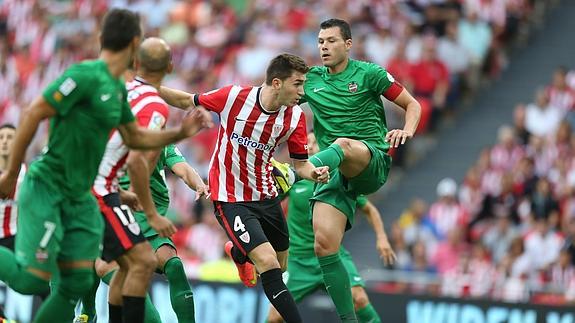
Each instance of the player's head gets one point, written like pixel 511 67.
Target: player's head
pixel 121 29
pixel 7 132
pixel 154 57
pixel 286 75
pixel 312 145
pixel 334 41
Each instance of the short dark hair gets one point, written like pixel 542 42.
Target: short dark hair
pixel 7 125
pixel 283 66
pixel 344 27
pixel 119 28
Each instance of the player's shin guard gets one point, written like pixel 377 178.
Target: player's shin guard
pixel 59 306
pixel 336 282
pixel 19 279
pixel 280 297
pixel 332 156
pixel 180 291
pixel 368 314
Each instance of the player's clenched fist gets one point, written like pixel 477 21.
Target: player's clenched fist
pixel 321 174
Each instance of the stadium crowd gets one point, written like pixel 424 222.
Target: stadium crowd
pixel 507 231
pixel 518 201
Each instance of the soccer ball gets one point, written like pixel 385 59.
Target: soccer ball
pixel 283 175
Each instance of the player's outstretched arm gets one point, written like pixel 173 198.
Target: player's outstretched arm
pixel 307 170
pixel 139 172
pixel 30 118
pixel 194 181
pixel 136 137
pixel 177 98
pixel 412 109
pixel 382 243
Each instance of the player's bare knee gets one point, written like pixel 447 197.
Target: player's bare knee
pixel 360 299
pixel 323 247
pixel 346 145
pixel 274 316
pixel 265 261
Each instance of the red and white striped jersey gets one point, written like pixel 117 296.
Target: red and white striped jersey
pixel 240 168
pixel 9 209
pixel 151 112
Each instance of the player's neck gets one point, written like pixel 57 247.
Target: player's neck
pixel 3 163
pixel 339 67
pixel 268 100
pixel 155 81
pixel 117 61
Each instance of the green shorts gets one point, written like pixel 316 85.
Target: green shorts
pixel 52 227
pixel 304 274
pixel 342 193
pixel 143 222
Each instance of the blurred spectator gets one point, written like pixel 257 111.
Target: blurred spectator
pixel 541 118
pixel 416 226
pixel 446 214
pixel 449 251
pixel 498 238
pixel 543 244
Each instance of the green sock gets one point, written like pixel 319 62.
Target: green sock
pixel 89 300
pixel 181 294
pixel 368 315
pixel 336 280
pixel 108 277
pixel 332 156
pixel 56 306
pixel 151 314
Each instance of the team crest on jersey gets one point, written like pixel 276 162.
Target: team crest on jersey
pixel 134 228
pixel 277 129
pixel 352 87
pixel 41 255
pixel 245 237
pixel 157 121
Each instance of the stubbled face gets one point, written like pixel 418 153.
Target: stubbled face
pixel 6 139
pixel 312 144
pixel 291 89
pixel 333 49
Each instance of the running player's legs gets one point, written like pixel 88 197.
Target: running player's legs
pixel 241 223
pixel 37 243
pixel 125 243
pixel 363 309
pixel 171 266
pixel 80 246
pixel 302 278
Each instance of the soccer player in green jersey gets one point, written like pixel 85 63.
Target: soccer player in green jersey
pixel 349 123
pixel 60 227
pixel 303 269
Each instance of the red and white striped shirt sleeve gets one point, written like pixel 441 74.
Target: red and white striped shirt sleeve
pixel 214 100
pixel 153 116
pixel 297 141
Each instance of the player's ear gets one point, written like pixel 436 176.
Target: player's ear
pixel 276 83
pixel 348 44
pixel 170 68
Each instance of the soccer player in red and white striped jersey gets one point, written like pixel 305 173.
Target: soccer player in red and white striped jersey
pixel 8 208
pixel 254 121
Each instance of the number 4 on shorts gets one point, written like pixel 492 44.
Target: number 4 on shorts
pixel 238 224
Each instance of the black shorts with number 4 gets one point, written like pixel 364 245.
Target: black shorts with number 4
pixel 122 231
pixel 249 224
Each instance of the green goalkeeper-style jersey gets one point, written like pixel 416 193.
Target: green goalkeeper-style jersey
pixel 89 104
pixel 301 238
pixel 169 156
pixel 348 104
